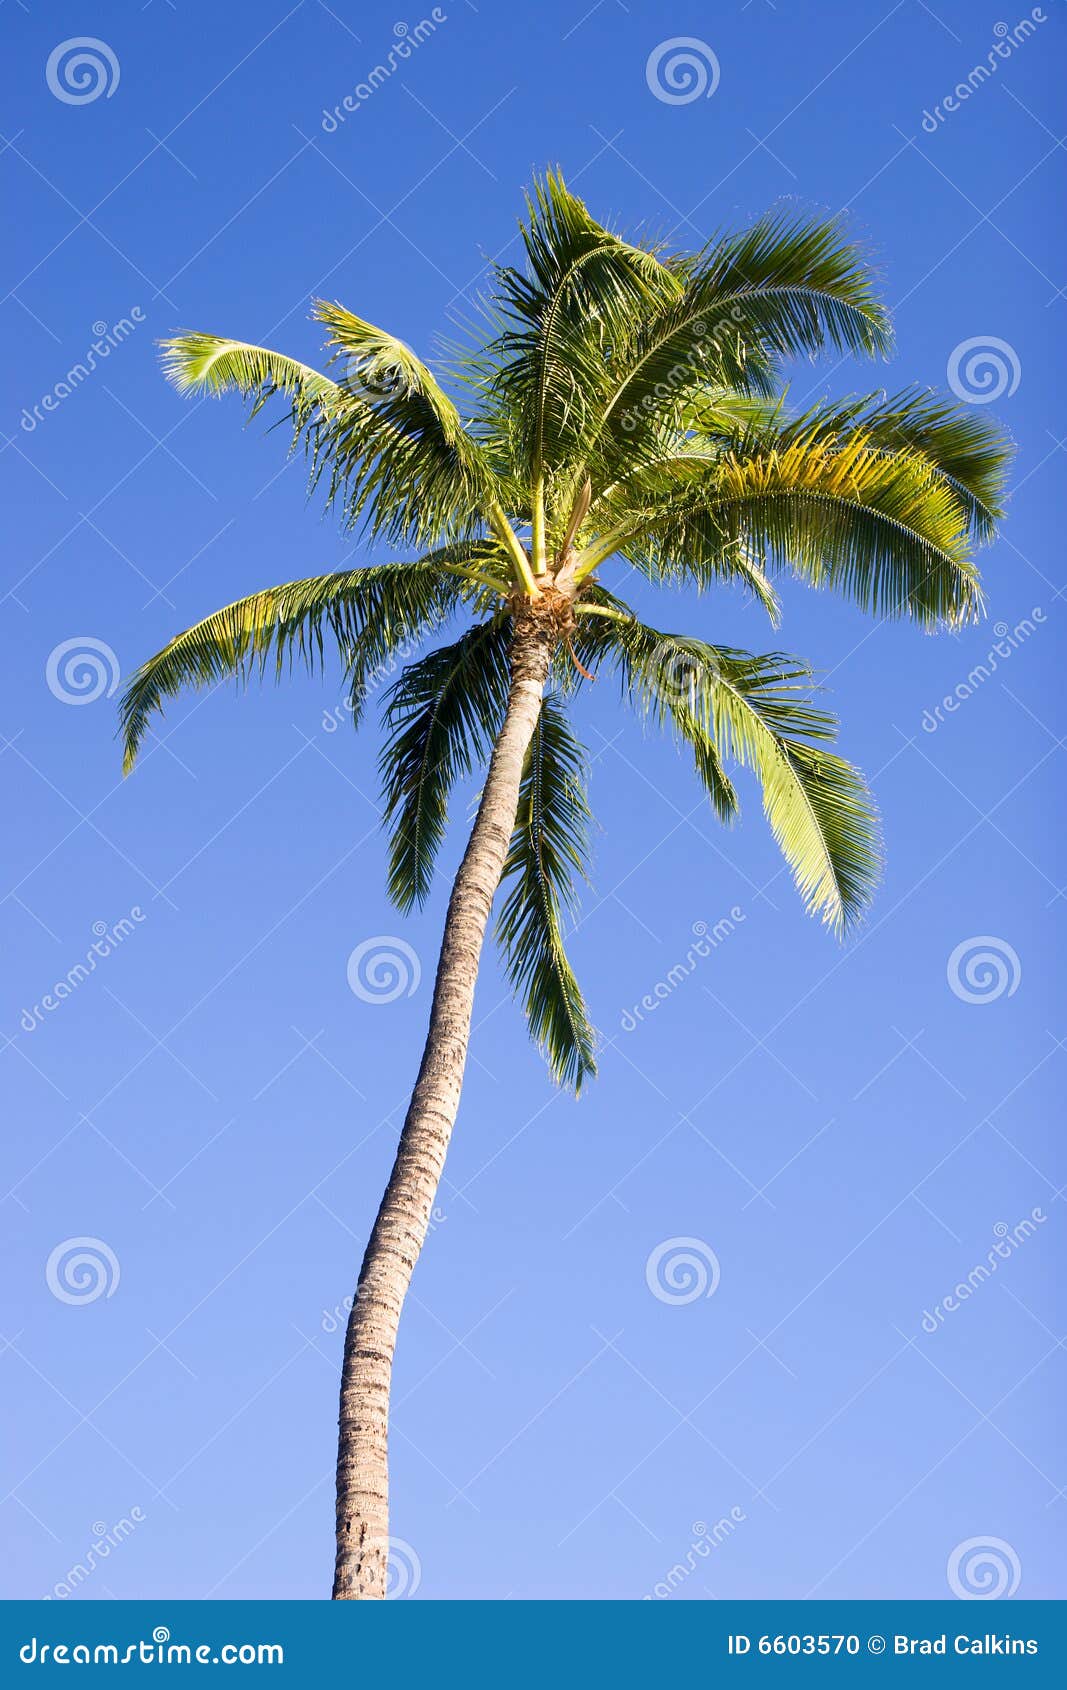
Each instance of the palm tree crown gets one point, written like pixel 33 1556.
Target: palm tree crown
pixel 622 409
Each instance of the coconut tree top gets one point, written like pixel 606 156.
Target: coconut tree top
pixel 621 414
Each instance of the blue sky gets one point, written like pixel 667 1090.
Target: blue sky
pixel 844 1134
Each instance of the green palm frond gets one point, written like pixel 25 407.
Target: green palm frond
pixel 376 365
pixel 441 717
pixel 755 710
pixel 583 292
pixel 880 526
pixel 548 849
pixel 207 363
pixel 400 457
pixel 692 547
pixel 385 441
pixel 967 450
pixel 608 630
pixel 369 612
pixel 800 284
pixel 786 287
pixel 883 525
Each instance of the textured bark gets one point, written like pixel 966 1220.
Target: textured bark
pixel 403 1217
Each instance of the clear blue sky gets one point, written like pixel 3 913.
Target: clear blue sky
pixel 214 1103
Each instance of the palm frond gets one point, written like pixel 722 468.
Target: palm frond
pixel 883 525
pixel 399 457
pixel 548 848
pixel 207 363
pixel 583 292
pixel 756 711
pixel 689 547
pixel 967 450
pixel 441 716
pixel 608 630
pixel 786 287
pixel 369 612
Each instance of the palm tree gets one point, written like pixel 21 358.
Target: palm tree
pixel 623 416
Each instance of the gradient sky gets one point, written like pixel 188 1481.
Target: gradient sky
pixel 846 1133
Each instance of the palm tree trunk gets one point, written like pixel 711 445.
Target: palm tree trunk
pixel 404 1215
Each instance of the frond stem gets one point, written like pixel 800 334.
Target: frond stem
pixel 594 555
pixel 500 587
pixel 516 551
pixel 540 560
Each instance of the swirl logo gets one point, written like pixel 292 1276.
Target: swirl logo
pixel 374 377
pixel 682 1270
pixel 682 70
pixel 982 369
pixel 384 968
pixel 82 1270
pixel 983 969
pixel 81 69
pixel 160 1634
pixel 403 1570
pixel 680 676
pixel 982 1568
pixel 81 670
